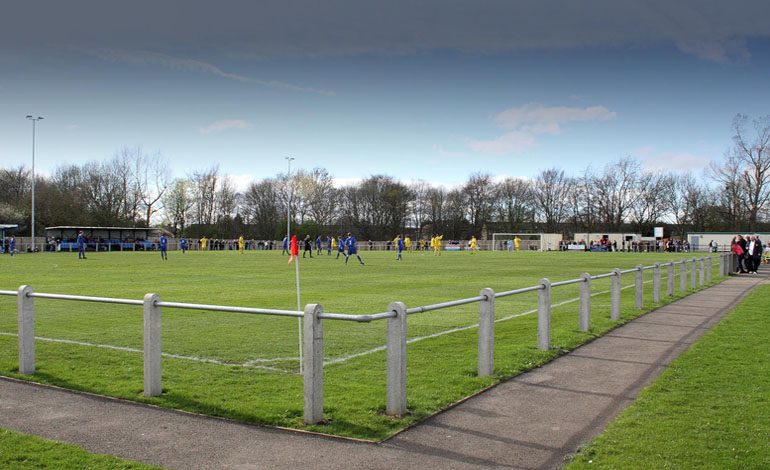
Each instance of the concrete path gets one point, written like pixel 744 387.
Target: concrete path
pixel 532 421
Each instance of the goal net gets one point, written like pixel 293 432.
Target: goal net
pixel 507 241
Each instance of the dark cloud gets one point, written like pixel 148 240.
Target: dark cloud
pixel 711 29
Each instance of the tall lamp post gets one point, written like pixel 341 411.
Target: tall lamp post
pixel 296 261
pixel 34 121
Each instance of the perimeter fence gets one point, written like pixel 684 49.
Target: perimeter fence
pixel 700 273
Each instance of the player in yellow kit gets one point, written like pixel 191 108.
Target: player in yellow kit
pixel 516 243
pixel 204 241
pixel 408 244
pixel 241 244
pixel 474 244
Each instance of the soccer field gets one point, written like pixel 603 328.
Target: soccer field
pixel 246 366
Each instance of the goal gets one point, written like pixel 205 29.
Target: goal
pixel 527 241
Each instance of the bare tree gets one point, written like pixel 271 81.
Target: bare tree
pixel 753 155
pixel 551 196
pixel 177 203
pixel 733 191
pixel 514 203
pixel 204 187
pixel 261 207
pixel 479 193
pixel 616 191
pixel 650 205
pixel 418 206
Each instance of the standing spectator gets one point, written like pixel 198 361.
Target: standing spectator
pixel 81 246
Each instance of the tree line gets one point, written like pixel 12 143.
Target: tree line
pixel 134 188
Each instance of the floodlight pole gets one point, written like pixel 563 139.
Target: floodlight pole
pixel 296 261
pixel 34 121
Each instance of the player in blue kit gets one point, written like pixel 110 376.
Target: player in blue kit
pixel 350 244
pixel 163 247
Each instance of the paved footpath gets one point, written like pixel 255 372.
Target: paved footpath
pixel 534 420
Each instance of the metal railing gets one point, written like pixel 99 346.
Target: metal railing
pixel 395 316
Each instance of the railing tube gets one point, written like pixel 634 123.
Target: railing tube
pixel 584 322
pixel 486 359
pixel 396 361
pixel 544 315
pixel 615 295
pixel 152 346
pixel 670 279
pixel 639 287
pixel 656 283
pixel 313 364
pixel 26 318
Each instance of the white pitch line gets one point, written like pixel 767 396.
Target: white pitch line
pixel 251 364
pixel 343 359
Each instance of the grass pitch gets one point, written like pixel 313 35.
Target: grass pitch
pixel 246 366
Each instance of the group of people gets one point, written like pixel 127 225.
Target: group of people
pixel 748 251
pixel 8 246
pixel 346 246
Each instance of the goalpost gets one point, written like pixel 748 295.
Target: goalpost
pixel 527 241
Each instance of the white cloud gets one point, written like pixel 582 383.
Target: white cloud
pixel 671 161
pixel 525 123
pixel 223 125
pixel 163 60
pixel 546 119
pixel 511 142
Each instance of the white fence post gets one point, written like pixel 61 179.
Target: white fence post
pixel 486 360
pixel 639 287
pixel 656 283
pixel 723 264
pixel 584 322
pixel 544 315
pixel 313 367
pixel 26 318
pixel 670 279
pixel 152 346
pixel 702 271
pixel 693 272
pixel 615 295
pixel 709 269
pixel 683 276
pixel 396 358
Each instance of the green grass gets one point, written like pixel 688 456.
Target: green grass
pixel 255 378
pixel 709 409
pixel 21 451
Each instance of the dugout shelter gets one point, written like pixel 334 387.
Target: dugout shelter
pixel 104 238
pixel 699 241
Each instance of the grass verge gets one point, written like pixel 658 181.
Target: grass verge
pixel 709 409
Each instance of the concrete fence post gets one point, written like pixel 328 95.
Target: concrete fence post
pixel 615 295
pixel 152 346
pixel 584 322
pixel 722 264
pixel 486 359
pixel 396 358
pixel 670 279
pixel 693 273
pixel 313 364
pixel 26 318
pixel 639 287
pixel 544 315
pixel 656 283
pixel 683 276
pixel 709 270
pixel 701 271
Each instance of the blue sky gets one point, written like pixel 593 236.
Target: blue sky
pixel 432 90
